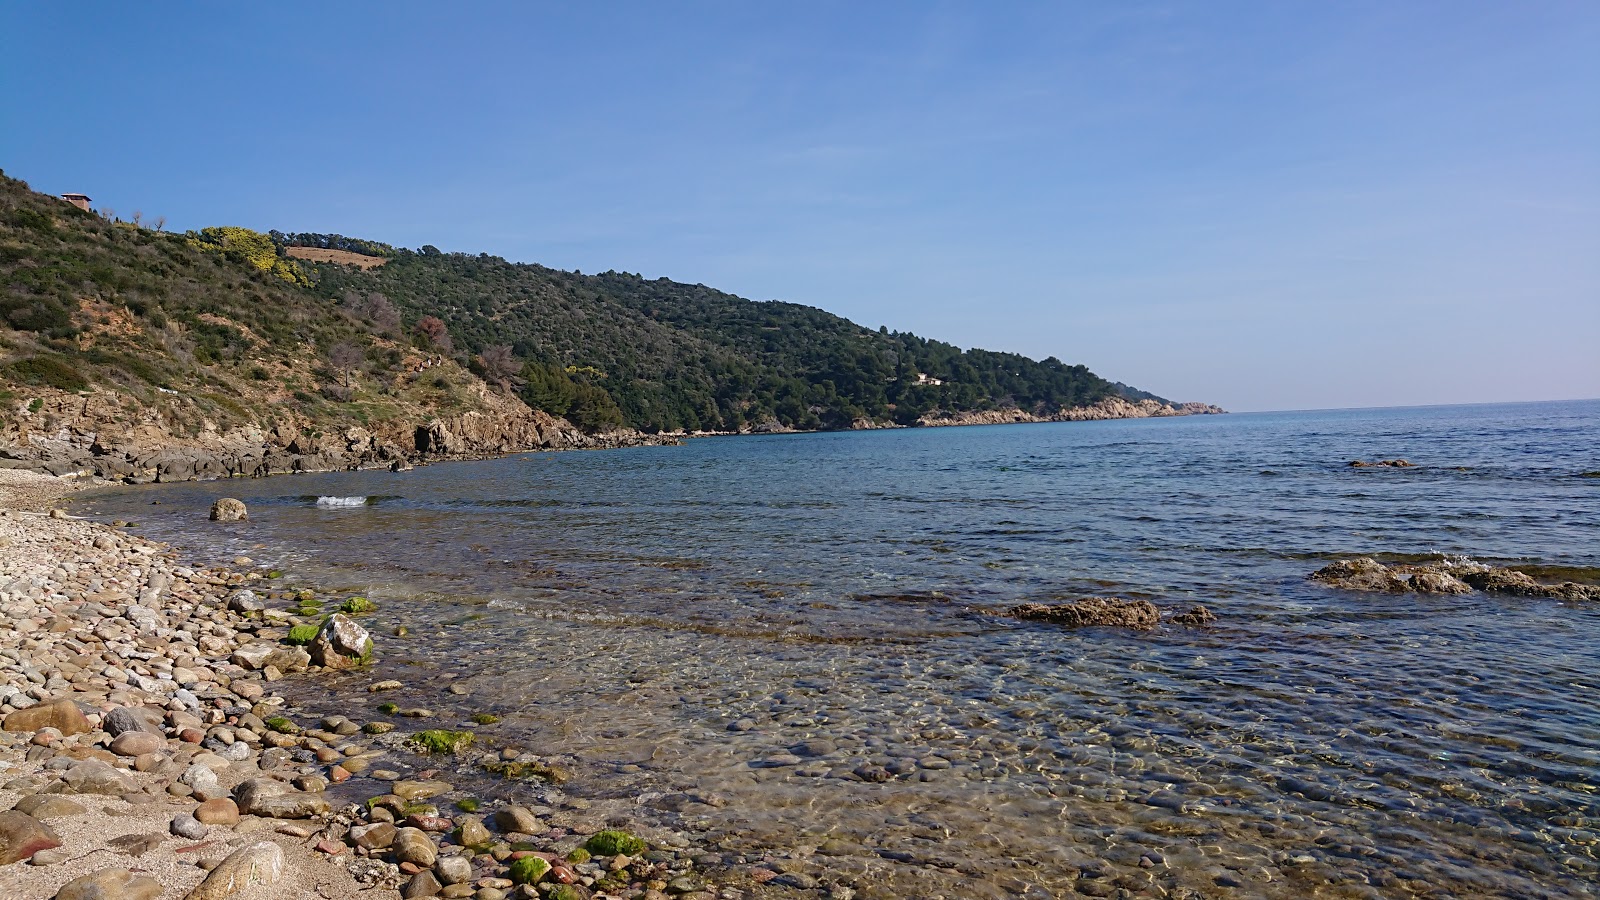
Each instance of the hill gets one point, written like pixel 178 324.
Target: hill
pixel 686 357
pixel 141 354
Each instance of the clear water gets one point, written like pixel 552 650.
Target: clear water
pixel 831 594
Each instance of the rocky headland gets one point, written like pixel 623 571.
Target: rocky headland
pixel 144 752
pixel 1109 408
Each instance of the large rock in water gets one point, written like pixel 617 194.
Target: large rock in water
pixel 1092 611
pixel 61 714
pixel 21 836
pixel 227 509
pixel 110 884
pixel 341 643
pixel 1438 583
pixel 1363 574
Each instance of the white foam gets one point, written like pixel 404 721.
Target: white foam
pixel 327 502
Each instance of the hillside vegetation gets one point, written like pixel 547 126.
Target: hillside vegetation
pixel 180 335
pixel 228 326
pixel 675 356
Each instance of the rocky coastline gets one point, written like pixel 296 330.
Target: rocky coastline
pixel 145 753
pixel 103 436
pixel 1109 408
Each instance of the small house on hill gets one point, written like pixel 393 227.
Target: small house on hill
pixel 81 201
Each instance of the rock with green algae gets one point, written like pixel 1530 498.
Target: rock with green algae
pixel 612 842
pixel 578 856
pixel 281 725
pixel 566 892
pixel 441 740
pixel 302 634
pixel 358 605
pixel 485 718
pixel 528 870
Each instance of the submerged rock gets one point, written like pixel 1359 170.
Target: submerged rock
pixel 1196 617
pixel 1382 464
pixel 1092 611
pixel 1520 584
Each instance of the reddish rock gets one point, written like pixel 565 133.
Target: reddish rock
pixel 21 836
pixel 191 735
pixel 338 774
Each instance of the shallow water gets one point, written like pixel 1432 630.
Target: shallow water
pixel 749 620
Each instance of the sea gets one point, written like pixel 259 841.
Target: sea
pixel 718 639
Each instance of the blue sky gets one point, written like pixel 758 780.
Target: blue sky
pixel 1264 205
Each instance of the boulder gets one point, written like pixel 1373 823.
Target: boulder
pixel 21 836
pixel 61 714
pixel 518 819
pixel 1438 583
pixel 1362 574
pixel 137 743
pixel 124 719
pixel 111 884
pixel 259 863
pixel 227 509
pixel 92 776
pixel 49 806
pixel 1092 611
pixel 341 643
pixel 276 800
pixel 222 811
pixel 256 657
pixel 413 845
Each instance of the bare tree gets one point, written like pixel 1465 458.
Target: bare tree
pixel 344 358
pixel 499 364
pixel 161 222
pixel 138 216
pixel 433 330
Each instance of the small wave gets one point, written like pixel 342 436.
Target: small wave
pixel 339 502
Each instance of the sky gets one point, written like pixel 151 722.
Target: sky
pixel 1271 205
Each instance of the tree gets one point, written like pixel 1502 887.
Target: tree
pixel 344 358
pixel 499 364
pixel 433 331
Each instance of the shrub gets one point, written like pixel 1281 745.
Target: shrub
pixel 48 371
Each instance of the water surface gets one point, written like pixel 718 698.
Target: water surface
pixel 721 634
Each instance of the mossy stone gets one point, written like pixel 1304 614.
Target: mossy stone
pixel 302 634
pixel 440 740
pixel 612 842
pixel 528 870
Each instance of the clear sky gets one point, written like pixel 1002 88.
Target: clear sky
pixel 1264 205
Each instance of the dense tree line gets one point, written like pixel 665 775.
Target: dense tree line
pixel 674 356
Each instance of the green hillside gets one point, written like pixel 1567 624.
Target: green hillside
pixel 222 326
pixel 684 356
pixel 213 327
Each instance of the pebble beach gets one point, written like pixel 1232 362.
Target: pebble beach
pixel 144 752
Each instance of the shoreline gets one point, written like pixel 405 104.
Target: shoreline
pixel 143 739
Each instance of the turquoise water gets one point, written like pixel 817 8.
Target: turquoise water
pixel 748 621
